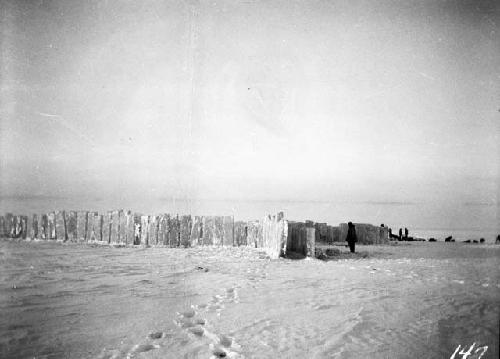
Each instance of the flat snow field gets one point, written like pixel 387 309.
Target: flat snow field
pixel 410 300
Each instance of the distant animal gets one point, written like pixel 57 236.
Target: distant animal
pixel 498 240
pixel 448 239
pixel 467 241
pixel 392 236
pixel 481 240
pixel 432 240
pixel 475 241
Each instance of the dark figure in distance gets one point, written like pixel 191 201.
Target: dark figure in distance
pixel 406 233
pixel 351 237
pixel 392 236
pixel 400 234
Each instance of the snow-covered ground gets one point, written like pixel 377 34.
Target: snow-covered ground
pixel 411 300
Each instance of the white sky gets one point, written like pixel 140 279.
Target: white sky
pixel 323 100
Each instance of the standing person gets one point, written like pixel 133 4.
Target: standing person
pixel 406 233
pixel 400 233
pixel 351 237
